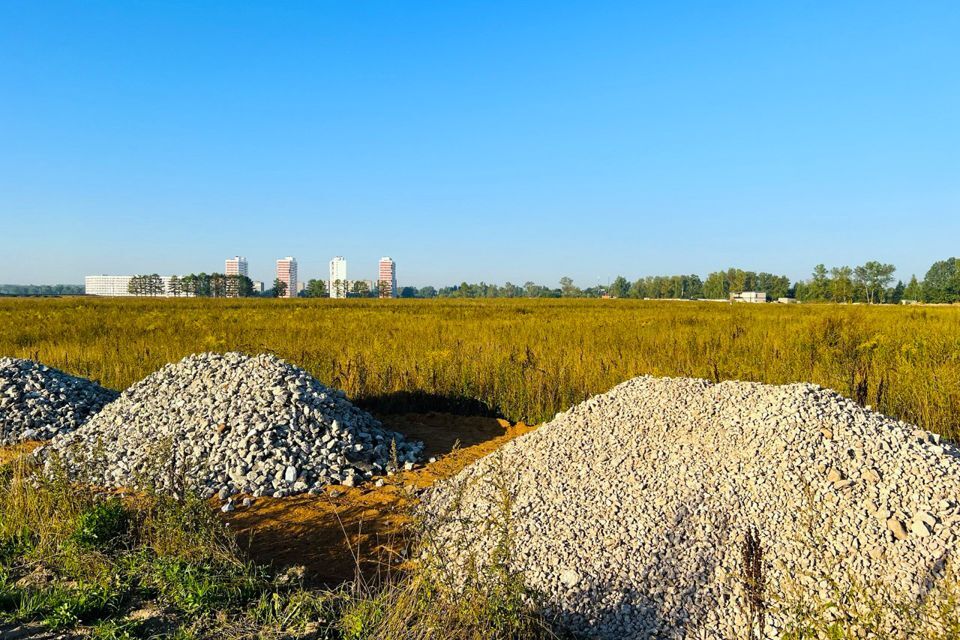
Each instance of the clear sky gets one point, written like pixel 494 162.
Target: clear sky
pixel 477 140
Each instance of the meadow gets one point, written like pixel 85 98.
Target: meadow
pixel 522 359
pixel 153 566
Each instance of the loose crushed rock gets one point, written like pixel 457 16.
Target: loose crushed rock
pixel 630 510
pixel 38 402
pixel 230 423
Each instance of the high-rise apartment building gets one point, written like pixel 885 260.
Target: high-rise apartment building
pixel 338 285
pixel 287 272
pixel 387 278
pixel 236 266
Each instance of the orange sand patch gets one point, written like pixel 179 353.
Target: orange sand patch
pixel 365 528
pixel 14 451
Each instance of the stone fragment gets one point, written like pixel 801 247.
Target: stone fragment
pixel 920 529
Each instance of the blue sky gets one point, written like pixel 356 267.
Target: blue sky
pixel 477 140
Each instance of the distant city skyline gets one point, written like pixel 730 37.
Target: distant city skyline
pixel 337 269
pixel 470 142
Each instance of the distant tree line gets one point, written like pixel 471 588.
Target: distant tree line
pixel 214 285
pixel 689 287
pixel 356 289
pixel 198 285
pixel 872 283
pixel 41 289
pixel 146 285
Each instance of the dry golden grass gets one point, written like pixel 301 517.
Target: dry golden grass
pixel 526 359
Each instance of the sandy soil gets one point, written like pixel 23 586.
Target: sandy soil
pixel 364 529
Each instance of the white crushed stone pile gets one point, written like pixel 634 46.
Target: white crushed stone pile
pixel 38 402
pixel 231 423
pixel 630 509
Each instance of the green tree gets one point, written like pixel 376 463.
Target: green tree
pixel 218 285
pixel 188 285
pixel 279 288
pixel 694 287
pixel 511 290
pixel 244 287
pixel 360 289
pixel 620 288
pixel 567 287
pixel 895 295
pixel 202 288
pixel 942 282
pixel 819 286
pixel 873 278
pixel 716 286
pixel 315 289
pixel 773 285
pixel 913 290
pixel 154 285
pixel 840 286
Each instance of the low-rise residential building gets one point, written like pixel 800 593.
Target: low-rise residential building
pixel 749 296
pixel 119 286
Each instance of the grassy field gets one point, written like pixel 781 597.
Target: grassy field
pixel 150 566
pixel 524 359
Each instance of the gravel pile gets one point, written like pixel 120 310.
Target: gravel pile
pixel 231 423
pixel 630 510
pixel 37 402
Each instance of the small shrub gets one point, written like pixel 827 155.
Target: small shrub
pixel 361 619
pixel 202 588
pixel 15 546
pixel 116 630
pixel 61 607
pixel 101 525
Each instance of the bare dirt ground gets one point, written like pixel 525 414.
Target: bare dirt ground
pixel 365 528
pixel 14 451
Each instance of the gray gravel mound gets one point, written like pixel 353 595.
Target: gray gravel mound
pixel 231 423
pixel 38 402
pixel 630 510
